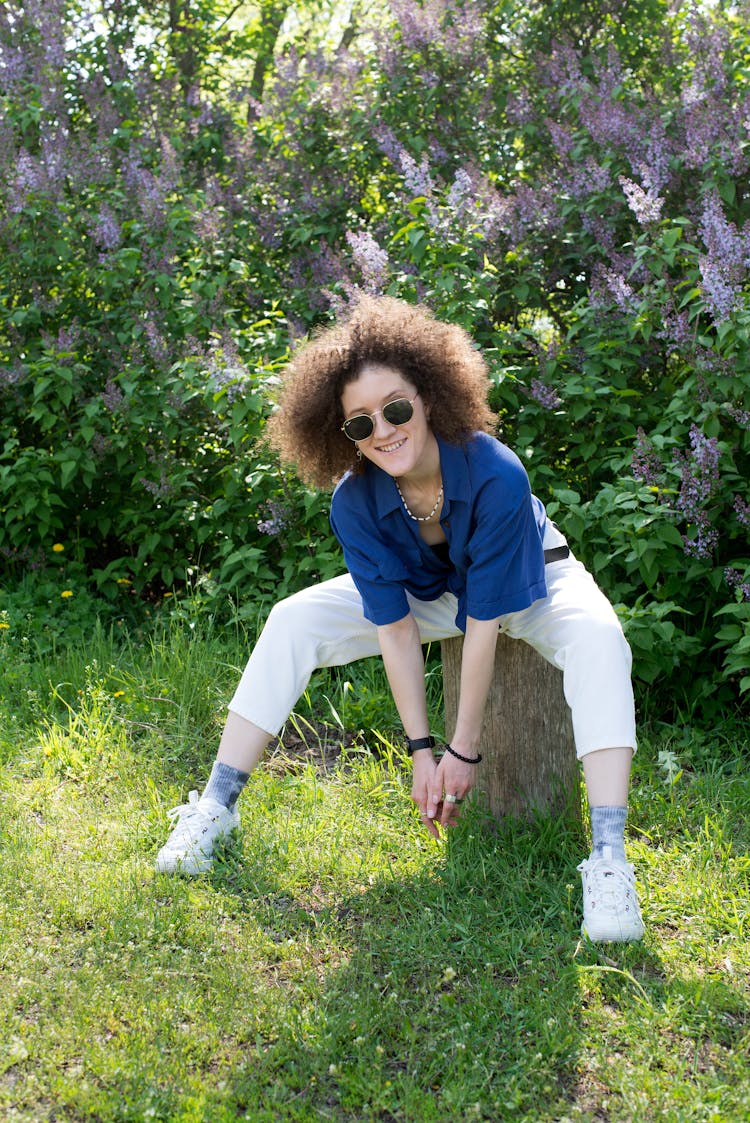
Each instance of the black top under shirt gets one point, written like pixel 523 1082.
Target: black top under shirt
pixel 440 549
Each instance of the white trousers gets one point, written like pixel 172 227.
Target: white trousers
pixel 574 627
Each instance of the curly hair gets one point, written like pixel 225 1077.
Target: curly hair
pixel 439 359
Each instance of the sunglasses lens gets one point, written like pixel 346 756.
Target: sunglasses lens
pixel 359 428
pixel 398 412
pixel 362 426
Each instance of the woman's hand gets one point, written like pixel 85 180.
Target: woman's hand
pixel 451 777
pixel 424 768
pixel 432 780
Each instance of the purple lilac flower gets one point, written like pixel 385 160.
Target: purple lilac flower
pixel 370 259
pixel 735 580
pixel 645 205
pixel 67 338
pixel 54 151
pixel 338 90
pixel 700 471
pixel 608 285
pixel 742 510
pixel 27 180
pixel 12 66
pixel 741 416
pixel 519 108
pixel 646 463
pixel 711 363
pixel 278 518
pixel 599 229
pixel 561 70
pixel 316 272
pixel 677 330
pixel 420 25
pixel 158 488
pixel 724 266
pixel 655 169
pixel 438 152
pixel 721 238
pixel 721 293
pixel 711 116
pixel 562 137
pixel 107 231
pixel 208 224
pixel 493 212
pixel 225 367
pixel 610 123
pixel 112 396
pixel 587 179
pixel 155 342
pixel 532 209
pixel 416 175
pixel 13 374
pixel 458 200
pixel 388 143
pixel 699 482
pixel 337 303
pixel 100 445
pixel 460 189
pixel 546 396
pixel 705 541
pixel 473 206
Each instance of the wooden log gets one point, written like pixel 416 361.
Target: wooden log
pixel 529 760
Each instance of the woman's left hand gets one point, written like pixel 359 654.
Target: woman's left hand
pixel 451 783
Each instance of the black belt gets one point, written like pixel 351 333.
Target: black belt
pixel 558 553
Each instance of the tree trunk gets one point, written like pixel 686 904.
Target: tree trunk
pixel 527 738
pixel 182 39
pixel 272 16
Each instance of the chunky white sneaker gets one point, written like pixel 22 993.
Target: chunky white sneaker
pixel 610 903
pixel 199 826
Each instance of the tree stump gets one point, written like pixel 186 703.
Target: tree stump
pixel 529 761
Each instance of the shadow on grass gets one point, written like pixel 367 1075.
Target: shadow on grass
pixel 452 994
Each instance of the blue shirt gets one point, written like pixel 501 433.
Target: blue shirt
pixel 493 524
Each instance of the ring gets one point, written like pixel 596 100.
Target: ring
pixel 452 799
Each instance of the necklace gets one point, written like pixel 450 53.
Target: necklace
pixel 420 518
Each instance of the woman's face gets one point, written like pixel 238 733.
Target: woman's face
pixel 397 449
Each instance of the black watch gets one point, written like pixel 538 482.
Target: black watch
pixel 419 743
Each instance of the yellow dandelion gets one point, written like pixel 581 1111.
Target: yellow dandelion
pixel 119 694
pixel 66 593
pixel 123 581
pixel 3 624
pixel 58 548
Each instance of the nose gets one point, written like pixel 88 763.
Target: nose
pixel 381 425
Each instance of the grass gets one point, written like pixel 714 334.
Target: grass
pixel 339 964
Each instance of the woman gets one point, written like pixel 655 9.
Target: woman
pixel 441 535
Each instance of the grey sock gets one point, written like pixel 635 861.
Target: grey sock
pixel 608 829
pixel 225 784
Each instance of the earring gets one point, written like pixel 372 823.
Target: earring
pixel 359 453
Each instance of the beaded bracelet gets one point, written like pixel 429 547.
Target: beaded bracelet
pixel 419 743
pixel 465 759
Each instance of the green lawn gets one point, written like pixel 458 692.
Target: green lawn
pixel 339 964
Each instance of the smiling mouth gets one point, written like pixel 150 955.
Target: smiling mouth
pixel 392 447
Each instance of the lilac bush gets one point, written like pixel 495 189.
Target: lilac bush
pixel 569 187
pixel 129 321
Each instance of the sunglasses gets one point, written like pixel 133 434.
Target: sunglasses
pixel 362 425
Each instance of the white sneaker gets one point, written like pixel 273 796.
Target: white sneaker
pixel 610 902
pixel 200 824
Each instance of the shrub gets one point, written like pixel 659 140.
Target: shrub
pixel 573 195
